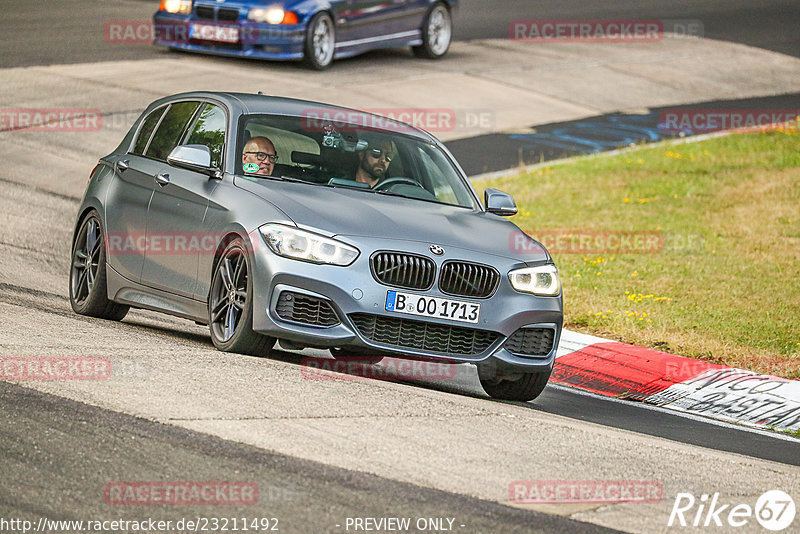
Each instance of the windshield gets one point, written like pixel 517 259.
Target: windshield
pixel 335 154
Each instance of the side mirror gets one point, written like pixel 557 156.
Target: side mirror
pixel 499 203
pixel 195 158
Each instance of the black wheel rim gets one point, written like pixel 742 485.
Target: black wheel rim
pixel 229 294
pixel 86 260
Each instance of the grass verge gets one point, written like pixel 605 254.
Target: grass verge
pixel 693 249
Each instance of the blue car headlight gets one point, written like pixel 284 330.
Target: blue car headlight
pixel 302 245
pixel 542 280
pixel 184 7
pixel 272 15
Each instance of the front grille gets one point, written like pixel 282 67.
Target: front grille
pixel 205 12
pixel 228 14
pixel 398 269
pixel 305 309
pixel 531 341
pixel 468 279
pixel 424 336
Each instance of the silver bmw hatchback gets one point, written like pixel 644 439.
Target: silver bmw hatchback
pixel 271 219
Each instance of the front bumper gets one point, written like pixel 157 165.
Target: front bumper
pixel 254 40
pixel 353 290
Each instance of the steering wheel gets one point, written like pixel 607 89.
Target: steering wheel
pixel 397 180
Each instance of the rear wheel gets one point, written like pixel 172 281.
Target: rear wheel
pixel 88 290
pixel 437 31
pixel 525 388
pixel 230 305
pixel 320 42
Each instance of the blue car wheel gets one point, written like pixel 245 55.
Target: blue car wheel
pixel 320 42
pixel 437 32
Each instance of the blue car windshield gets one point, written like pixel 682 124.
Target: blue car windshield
pixel 336 154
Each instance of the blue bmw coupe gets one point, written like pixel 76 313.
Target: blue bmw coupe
pixel 315 31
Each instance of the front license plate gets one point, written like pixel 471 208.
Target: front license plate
pixel 221 34
pixel 425 306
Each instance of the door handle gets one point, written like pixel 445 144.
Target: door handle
pixel 162 179
pixel 122 165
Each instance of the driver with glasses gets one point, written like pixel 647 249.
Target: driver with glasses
pixel 374 161
pixel 259 156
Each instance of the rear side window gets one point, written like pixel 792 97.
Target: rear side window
pixel 171 130
pixel 209 130
pixel 147 128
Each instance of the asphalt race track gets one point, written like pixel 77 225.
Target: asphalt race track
pixel 325 449
pixel 44 33
pixel 304 496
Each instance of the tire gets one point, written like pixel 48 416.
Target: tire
pixel 320 42
pixel 230 304
pixel 437 32
pixel 349 355
pixel 88 288
pixel 526 388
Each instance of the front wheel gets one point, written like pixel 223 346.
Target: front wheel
pixel 230 305
pixel 320 42
pixel 88 291
pixel 526 388
pixel 437 31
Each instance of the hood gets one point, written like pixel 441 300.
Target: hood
pixel 347 212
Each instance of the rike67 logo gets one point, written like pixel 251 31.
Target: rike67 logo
pixel 774 510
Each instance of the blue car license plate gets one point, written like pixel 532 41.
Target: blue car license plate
pixel 209 32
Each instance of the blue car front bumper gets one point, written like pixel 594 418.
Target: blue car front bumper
pixel 240 38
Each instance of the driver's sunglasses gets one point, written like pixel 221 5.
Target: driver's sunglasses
pixel 377 153
pixel 261 156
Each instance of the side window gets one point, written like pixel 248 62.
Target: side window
pixel 171 130
pixel 148 125
pixel 209 130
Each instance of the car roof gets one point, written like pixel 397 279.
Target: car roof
pixel 248 103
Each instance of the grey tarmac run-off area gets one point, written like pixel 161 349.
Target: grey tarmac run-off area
pixel 323 448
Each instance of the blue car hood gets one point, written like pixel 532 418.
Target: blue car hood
pixel 347 212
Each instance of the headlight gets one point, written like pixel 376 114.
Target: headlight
pixel 184 7
pixel 272 15
pixel 307 246
pixel 541 280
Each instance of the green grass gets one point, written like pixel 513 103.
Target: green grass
pixel 723 284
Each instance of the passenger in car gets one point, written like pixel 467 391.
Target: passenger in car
pixel 374 161
pixel 259 156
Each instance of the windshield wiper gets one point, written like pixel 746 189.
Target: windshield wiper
pixel 391 194
pixel 297 180
pixel 277 178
